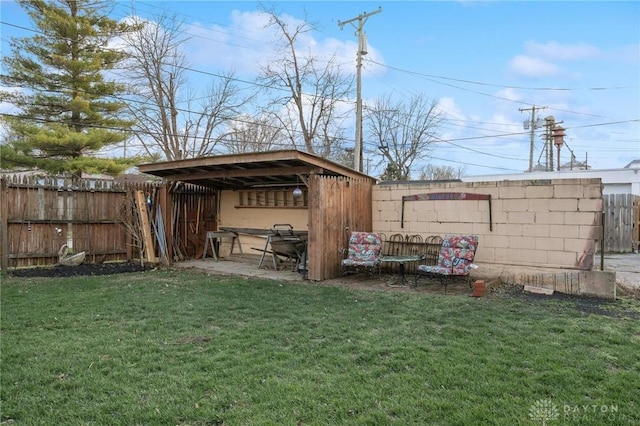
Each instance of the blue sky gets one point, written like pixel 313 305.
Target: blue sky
pixel 483 61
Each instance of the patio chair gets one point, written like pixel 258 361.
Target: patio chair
pixel 454 260
pixel 364 252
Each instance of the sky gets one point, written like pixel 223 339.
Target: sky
pixel 487 63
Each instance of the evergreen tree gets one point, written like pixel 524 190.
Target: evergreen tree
pixel 391 173
pixel 67 109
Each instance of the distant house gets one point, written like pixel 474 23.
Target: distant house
pixel 635 164
pixel 625 180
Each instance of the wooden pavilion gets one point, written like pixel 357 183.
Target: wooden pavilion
pixel 256 189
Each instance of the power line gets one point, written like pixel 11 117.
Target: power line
pixel 131 130
pixel 445 78
pixel 431 78
pixel 479 83
pixel 427 76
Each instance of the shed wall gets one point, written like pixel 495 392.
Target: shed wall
pixel 233 215
pixel 341 205
pixel 334 207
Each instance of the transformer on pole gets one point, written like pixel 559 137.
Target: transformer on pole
pixel 558 139
pixel 533 124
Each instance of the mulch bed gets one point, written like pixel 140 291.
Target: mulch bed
pixel 84 269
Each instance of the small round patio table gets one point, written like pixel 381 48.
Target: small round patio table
pixel 401 260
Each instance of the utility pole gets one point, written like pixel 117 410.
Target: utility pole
pixel 549 124
pixel 533 124
pixel 362 50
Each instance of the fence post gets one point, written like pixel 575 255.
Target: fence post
pixel 4 215
pixel 602 242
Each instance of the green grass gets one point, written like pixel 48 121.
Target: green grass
pixel 184 348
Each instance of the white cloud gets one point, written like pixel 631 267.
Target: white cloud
pixel 532 67
pixel 630 53
pixel 450 109
pixel 249 41
pixel 238 47
pixel 509 93
pixel 561 52
pixel 540 59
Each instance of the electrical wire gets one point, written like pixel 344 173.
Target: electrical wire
pixel 431 77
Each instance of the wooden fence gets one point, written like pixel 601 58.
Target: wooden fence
pixel 38 216
pixel 636 224
pixel 194 211
pixel 621 223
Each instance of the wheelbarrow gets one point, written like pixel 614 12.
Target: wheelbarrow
pixel 285 246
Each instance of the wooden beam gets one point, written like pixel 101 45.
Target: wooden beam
pixel 259 172
pixel 223 160
pixel 164 203
pixel 297 157
pixel 143 214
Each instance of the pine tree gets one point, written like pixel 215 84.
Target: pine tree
pixel 68 111
pixel 391 173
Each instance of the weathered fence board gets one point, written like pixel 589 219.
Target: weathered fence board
pixel 39 215
pixel 621 221
pixel 342 205
pixel 636 223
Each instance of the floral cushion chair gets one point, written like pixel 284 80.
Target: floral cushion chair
pixel 364 252
pixel 455 260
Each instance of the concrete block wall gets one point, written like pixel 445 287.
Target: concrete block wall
pixel 232 216
pixel 536 223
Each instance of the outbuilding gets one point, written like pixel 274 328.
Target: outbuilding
pixel 255 191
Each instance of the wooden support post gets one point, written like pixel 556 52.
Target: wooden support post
pixel 164 204
pixel 4 213
pixel 145 226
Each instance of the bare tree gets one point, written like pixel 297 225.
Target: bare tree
pixel 311 90
pixel 431 172
pixel 255 135
pixel 403 131
pixel 169 117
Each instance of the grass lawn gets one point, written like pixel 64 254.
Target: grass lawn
pixel 183 348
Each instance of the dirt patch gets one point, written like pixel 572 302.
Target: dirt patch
pixel 391 282
pixel 587 305
pixel 627 308
pixel 84 269
pixel 631 292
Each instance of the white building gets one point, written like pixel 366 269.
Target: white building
pixel 614 181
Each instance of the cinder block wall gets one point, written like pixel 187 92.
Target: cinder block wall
pixel 232 216
pixel 537 223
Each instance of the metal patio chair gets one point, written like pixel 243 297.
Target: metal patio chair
pixel 454 260
pixel 364 252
